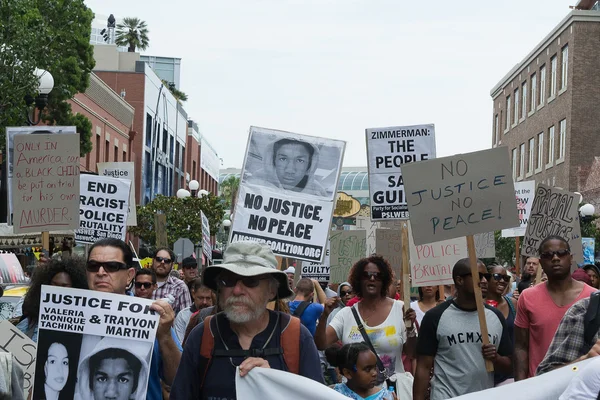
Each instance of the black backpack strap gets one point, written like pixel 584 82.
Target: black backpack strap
pixel 366 339
pixel 591 321
pixel 262 353
pixel 300 309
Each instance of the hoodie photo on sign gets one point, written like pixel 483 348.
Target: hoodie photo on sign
pixel 113 369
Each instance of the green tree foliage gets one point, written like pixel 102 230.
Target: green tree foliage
pixel 132 33
pixel 178 94
pixel 183 217
pixel 48 34
pixel 229 188
pixel 589 228
pixel 505 249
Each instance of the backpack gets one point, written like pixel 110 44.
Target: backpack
pixel 591 321
pixel 289 339
pixel 300 309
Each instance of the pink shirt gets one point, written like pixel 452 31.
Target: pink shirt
pixel 538 313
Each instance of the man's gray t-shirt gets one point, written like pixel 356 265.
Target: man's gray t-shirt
pixel 452 336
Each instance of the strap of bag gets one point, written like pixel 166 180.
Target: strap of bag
pixel 361 328
pixel 300 309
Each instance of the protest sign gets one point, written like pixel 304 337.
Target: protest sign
pixel 103 208
pixel 11 132
pixel 13 341
pixel 460 195
pixel 524 192
pixel 45 187
pixel 206 244
pixel 90 329
pixel 160 226
pixel 589 247
pixel 287 192
pixel 554 212
pixel 432 263
pixel 318 271
pixel 365 223
pixel 389 246
pixel 346 248
pixel 122 170
pixel 485 245
pixel 388 149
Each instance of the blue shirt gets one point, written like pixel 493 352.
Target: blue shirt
pixel 156 370
pixel 310 316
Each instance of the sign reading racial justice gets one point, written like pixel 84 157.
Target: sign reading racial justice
pixel 388 150
pixel 460 195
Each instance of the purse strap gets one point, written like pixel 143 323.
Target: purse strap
pixel 366 339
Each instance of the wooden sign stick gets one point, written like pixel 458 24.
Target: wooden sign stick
pixel 442 292
pixel 518 255
pixel 46 241
pixel 538 275
pixel 405 269
pixel 489 366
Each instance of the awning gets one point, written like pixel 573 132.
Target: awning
pixel 11 240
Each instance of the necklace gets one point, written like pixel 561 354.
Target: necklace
pixel 366 318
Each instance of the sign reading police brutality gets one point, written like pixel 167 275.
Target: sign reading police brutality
pixel 287 192
pixel 524 192
pixel 460 195
pixel 104 204
pixel 388 149
pixel 554 212
pixel 45 184
pixel 122 170
pixel 94 332
pixel 318 271
pixel 206 244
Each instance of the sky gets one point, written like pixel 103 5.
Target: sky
pixel 333 68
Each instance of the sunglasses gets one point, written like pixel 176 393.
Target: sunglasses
pixel 498 277
pixel 487 276
pixel 145 285
pixel 343 293
pixel 109 266
pixel 549 255
pixel 161 259
pixel 189 266
pixel 375 275
pixel 231 281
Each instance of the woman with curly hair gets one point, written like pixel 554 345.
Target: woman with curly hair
pixel 381 316
pixel 69 272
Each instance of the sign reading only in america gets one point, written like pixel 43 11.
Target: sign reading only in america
pixel 387 150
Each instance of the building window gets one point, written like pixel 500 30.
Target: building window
pixel 551 145
pixel 98 148
pixel 514 163
pixel 117 154
pixel 531 155
pixel 521 160
pixel 177 159
pixel 516 106
pixel 107 151
pixel 524 100
pixel 565 67
pixel 533 91
pixel 508 107
pixel 542 85
pixel 164 139
pixel 149 125
pixel 171 149
pixel 553 66
pixel 124 155
pixel 562 139
pixel 496 133
pixel 193 170
pixel 540 152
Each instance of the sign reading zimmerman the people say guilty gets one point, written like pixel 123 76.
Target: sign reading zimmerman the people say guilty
pixel 287 192
pixel 45 184
pixel 104 204
pixel 388 149
pixel 460 195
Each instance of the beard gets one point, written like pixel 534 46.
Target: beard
pixel 240 315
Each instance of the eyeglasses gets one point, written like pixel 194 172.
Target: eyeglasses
pixel 146 285
pixel 231 281
pixel 109 266
pixel 343 293
pixel 498 277
pixel 370 274
pixel 487 276
pixel 549 255
pixel 161 259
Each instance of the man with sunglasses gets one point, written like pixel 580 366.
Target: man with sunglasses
pixel 189 267
pixel 145 283
pixel 450 342
pixel 162 264
pixel 110 269
pixel 245 334
pixel 541 308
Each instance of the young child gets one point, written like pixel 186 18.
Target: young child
pixel 358 364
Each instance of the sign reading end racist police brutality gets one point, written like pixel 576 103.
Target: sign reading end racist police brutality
pixel 287 192
pixel 460 195
pixel 388 149
pixel 103 209
pixel 83 334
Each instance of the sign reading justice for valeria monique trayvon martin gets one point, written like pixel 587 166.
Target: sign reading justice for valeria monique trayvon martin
pixel 287 192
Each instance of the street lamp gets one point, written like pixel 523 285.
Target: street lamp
pixel 586 211
pixel 183 193
pixel 45 86
pixel 203 192
pixel 194 186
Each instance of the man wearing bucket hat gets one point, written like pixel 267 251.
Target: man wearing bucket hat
pixel 245 334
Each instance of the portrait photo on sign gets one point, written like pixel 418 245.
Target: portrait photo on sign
pixel 56 365
pixel 291 162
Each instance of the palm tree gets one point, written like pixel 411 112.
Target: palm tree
pixel 229 188
pixel 132 33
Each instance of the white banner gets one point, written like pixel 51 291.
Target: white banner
pixel 103 208
pixel 387 150
pixel 209 160
pixel 318 271
pixel 123 170
pixel 287 192
pixel 524 192
pixel 84 333
pixel 206 244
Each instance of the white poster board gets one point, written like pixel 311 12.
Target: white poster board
pixel 122 170
pixel 388 149
pixel 23 350
pixel 87 328
pixel 524 192
pixel 460 195
pixel 206 243
pixel 318 271
pixel 287 192
pixel 485 245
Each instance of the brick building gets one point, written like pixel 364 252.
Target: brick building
pixel 546 108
